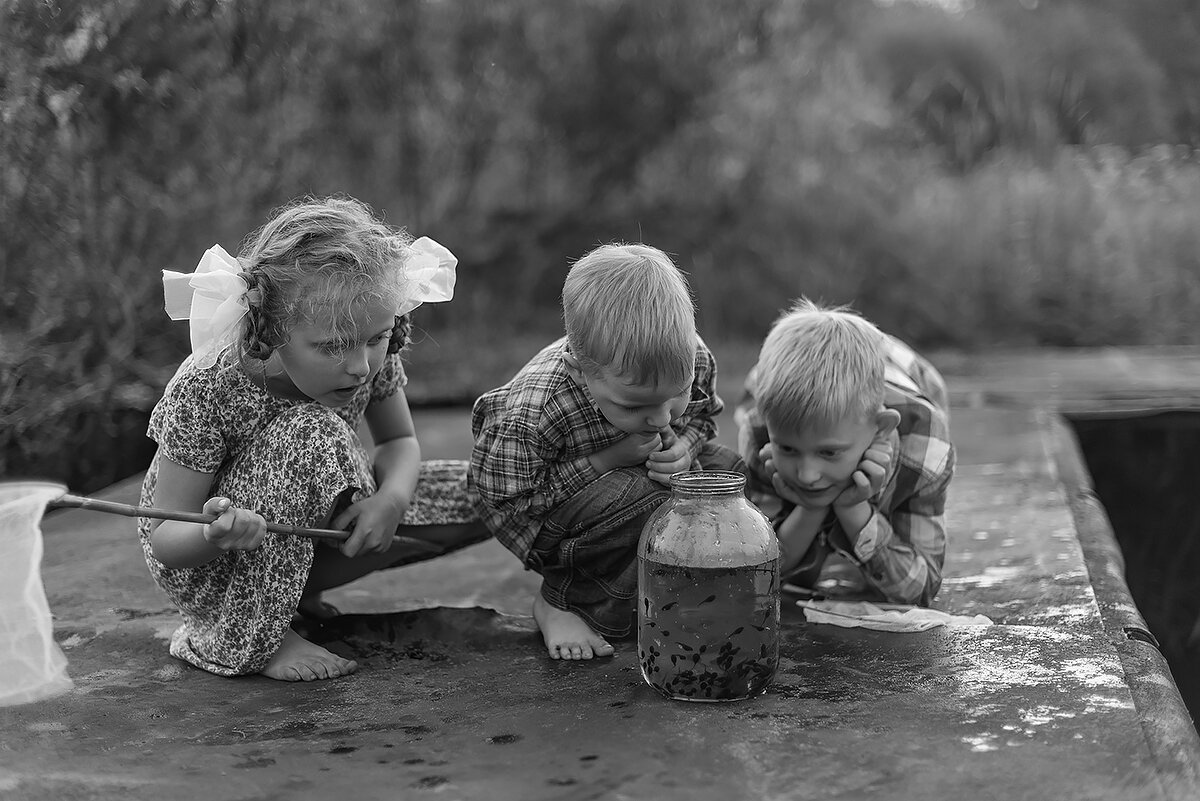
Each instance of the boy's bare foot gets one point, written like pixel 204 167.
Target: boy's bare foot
pixel 300 660
pixel 565 633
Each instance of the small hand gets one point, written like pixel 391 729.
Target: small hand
pixel 629 451
pixel 373 521
pixel 867 480
pixel 234 529
pixel 673 457
pixel 766 455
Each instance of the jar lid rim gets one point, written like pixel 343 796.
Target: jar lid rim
pixel 708 480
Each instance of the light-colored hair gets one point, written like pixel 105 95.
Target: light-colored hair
pixel 316 260
pixel 819 365
pixel 627 309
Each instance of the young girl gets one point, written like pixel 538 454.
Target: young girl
pixel 294 343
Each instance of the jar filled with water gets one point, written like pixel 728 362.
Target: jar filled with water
pixel 708 592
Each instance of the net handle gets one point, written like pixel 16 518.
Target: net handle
pixel 129 510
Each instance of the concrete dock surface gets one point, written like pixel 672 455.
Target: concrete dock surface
pixel 1065 697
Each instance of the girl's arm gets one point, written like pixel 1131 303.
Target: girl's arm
pixel 397 466
pixel 397 452
pixel 796 534
pixel 178 544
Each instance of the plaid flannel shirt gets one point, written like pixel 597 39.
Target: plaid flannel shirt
pixel 534 434
pixel 902 548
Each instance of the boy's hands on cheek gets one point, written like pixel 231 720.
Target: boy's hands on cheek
pixel 673 457
pixel 630 451
pixel 782 488
pixel 234 529
pixel 868 479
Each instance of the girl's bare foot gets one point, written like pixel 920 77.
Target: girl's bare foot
pixel 565 633
pixel 300 660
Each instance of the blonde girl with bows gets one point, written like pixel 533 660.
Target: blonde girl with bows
pixel 294 344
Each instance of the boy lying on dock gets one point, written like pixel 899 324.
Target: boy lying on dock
pixel 846 433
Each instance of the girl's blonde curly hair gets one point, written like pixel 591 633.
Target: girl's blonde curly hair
pixel 316 259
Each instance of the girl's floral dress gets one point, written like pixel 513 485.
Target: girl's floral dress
pixel 289 460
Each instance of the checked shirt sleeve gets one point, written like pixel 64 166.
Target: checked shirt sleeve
pixel 516 480
pixel 903 546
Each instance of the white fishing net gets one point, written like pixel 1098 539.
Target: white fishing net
pixel 32 666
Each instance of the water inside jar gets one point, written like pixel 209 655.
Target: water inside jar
pixel 708 634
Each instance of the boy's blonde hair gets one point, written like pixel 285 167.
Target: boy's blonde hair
pixel 820 365
pixel 627 308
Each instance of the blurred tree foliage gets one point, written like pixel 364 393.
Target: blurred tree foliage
pixel 994 175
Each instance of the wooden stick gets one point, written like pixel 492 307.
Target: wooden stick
pixel 128 510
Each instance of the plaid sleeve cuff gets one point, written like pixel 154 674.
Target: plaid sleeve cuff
pixel 872 537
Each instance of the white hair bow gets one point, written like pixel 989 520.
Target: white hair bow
pixel 213 298
pixel 431 271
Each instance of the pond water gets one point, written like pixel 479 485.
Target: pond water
pixel 1144 471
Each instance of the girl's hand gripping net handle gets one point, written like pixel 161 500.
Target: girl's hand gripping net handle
pixel 128 510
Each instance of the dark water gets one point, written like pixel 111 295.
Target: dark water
pixel 708 634
pixel 1145 470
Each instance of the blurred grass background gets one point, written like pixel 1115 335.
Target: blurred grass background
pixel 967 174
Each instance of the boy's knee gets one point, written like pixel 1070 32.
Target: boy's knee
pixel 608 501
pixel 622 484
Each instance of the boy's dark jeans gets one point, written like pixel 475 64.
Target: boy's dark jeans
pixel 587 549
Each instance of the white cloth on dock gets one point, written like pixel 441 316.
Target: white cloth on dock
pixel 885 617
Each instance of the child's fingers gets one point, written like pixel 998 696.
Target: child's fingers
pixel 354 543
pixel 216 506
pixel 668 462
pixel 783 490
pixel 345 517
pixel 378 538
pixel 875 472
pixel 876 467
pixel 236 529
pixel 661 478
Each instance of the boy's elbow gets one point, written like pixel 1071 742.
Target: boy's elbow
pixel 933 584
pixel 920 588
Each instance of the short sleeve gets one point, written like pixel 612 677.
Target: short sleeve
pixel 390 379
pixel 186 424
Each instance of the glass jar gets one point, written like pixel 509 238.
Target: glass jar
pixel 708 592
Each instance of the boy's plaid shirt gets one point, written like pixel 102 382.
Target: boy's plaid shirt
pixel 533 437
pixel 901 549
